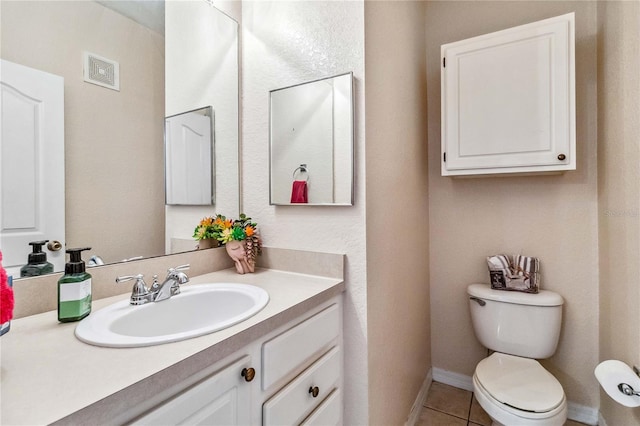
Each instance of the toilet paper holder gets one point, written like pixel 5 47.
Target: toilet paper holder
pixel 628 389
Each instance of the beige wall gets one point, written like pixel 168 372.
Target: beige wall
pixel 113 140
pixel 552 217
pixel 619 191
pixel 399 348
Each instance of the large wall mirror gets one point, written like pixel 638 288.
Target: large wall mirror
pixel 170 58
pixel 311 142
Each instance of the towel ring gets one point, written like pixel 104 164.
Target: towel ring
pixel 301 169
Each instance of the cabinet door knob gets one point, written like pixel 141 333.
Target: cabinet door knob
pixel 248 374
pixel 314 391
pixel 562 157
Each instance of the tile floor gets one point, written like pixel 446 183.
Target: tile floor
pixel 450 406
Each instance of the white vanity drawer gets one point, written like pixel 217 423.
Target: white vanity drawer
pixel 329 413
pixel 295 401
pixel 298 346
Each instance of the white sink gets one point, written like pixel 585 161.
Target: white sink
pixel 198 310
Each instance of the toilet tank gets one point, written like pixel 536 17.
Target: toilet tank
pixel 516 323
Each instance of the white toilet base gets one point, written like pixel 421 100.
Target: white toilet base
pixel 502 414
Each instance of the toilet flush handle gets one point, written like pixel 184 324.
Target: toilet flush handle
pixel 480 301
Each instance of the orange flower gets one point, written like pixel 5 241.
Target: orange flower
pixel 249 230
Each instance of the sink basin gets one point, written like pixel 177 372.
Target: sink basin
pixel 198 310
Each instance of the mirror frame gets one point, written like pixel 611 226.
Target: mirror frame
pixel 351 149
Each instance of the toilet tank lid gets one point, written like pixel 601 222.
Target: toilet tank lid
pixel 542 298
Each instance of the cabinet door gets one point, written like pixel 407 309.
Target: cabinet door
pixel 221 399
pixel 508 100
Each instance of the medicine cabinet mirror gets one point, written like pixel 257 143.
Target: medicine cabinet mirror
pixel 189 158
pixel 311 143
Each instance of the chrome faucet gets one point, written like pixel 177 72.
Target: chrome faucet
pixel 141 294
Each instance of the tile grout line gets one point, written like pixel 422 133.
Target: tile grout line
pixel 469 411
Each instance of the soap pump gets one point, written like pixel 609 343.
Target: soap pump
pixel 74 289
pixel 37 261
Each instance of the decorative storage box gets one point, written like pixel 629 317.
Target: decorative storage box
pixel 520 273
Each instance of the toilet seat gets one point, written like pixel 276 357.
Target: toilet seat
pixel 520 383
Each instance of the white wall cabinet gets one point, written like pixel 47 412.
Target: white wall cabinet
pixel 297 379
pixel 508 100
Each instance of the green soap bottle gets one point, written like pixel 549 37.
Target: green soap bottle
pixel 37 261
pixel 74 289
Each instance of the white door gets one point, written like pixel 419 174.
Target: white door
pixel 32 205
pixel 189 159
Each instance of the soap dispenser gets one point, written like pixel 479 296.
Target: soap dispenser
pixel 74 289
pixel 37 261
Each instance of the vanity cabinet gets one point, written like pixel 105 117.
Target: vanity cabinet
pixel 311 353
pixel 290 376
pixel 223 398
pixel 508 101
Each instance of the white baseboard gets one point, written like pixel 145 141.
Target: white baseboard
pixel 450 378
pixel 576 412
pixel 414 415
pixel 601 420
pixel 583 414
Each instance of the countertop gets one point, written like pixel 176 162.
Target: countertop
pixel 48 375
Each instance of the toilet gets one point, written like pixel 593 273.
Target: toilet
pixel 510 385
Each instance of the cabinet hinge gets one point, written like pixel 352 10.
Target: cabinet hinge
pixel 444 62
pixel 444 157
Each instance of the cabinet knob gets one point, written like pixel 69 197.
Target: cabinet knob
pixel 248 374
pixel 561 157
pixel 314 391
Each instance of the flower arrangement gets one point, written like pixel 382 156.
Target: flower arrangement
pixel 211 227
pixel 226 230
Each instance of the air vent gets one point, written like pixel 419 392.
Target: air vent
pixel 101 71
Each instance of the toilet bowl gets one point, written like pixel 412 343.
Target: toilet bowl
pixel 519 391
pixel 511 385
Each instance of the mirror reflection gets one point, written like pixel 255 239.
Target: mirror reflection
pixel 189 157
pixel 311 140
pixel 113 167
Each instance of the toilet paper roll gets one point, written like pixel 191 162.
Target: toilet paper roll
pixel 611 374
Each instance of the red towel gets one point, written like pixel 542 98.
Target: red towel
pixel 299 192
pixel 6 296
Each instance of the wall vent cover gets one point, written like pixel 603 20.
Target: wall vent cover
pixel 101 71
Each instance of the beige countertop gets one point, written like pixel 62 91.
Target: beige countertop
pixel 48 375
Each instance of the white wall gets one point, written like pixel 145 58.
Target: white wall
pixel 285 43
pixel 205 74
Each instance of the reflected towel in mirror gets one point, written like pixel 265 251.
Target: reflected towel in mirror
pixel 299 192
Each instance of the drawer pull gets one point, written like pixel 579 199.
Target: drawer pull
pixel 314 391
pixel 248 374
pixel 562 157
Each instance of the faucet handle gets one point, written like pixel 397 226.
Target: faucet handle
pixel 140 292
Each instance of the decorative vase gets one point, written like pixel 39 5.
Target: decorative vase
pixel 208 243
pixel 236 251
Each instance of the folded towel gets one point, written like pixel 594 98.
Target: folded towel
pixel 299 192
